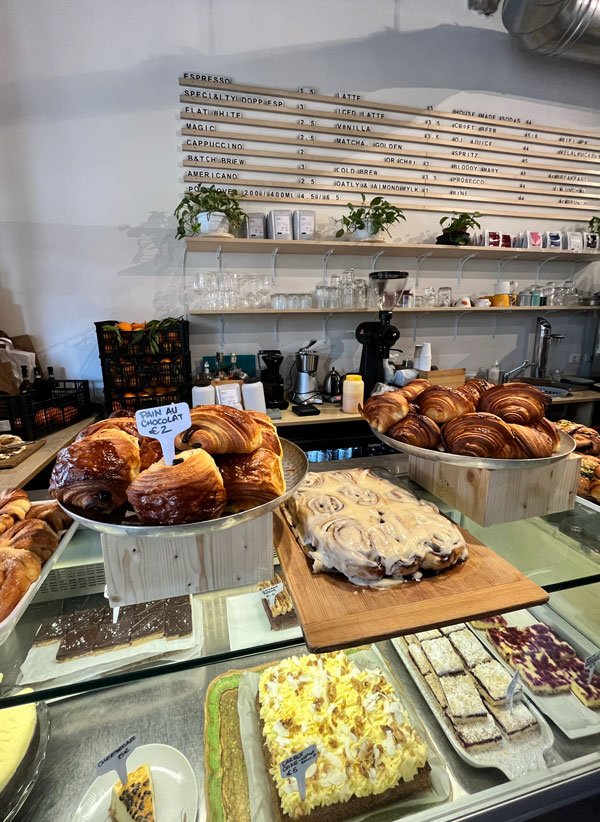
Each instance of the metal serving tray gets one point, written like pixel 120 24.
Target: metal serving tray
pixel 295 467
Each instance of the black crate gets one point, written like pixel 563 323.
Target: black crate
pixel 126 374
pixel 121 402
pixel 32 417
pixel 172 340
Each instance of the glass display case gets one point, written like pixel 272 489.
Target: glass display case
pixel 158 693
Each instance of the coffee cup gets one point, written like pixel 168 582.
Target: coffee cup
pixel 483 302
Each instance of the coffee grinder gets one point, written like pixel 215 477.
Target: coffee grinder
pixel 271 378
pixel 306 387
pixel 377 338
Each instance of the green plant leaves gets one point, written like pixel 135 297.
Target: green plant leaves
pixel 211 200
pixel 378 213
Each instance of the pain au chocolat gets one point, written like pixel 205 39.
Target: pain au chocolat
pixel 416 429
pixel 150 450
pixel 382 411
pixel 251 479
pixel 91 476
pixel 443 404
pixel 190 490
pixel 477 435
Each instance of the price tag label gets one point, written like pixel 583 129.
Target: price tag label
pixel 590 663
pixel 297 765
pixel 117 759
pixel 163 423
pixel 510 691
pixel 271 592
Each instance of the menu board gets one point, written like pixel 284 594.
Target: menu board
pixel 304 148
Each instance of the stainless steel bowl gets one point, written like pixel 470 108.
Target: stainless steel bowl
pixel 295 468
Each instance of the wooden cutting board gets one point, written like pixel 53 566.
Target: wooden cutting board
pixel 334 613
pixel 17 459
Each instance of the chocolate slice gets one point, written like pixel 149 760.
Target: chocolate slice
pixel 77 642
pixel 112 636
pixel 178 621
pixel 52 630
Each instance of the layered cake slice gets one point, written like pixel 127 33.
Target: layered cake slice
pixel 368 753
pixel 541 673
pixel 516 720
pixel 493 680
pixel 450 629
pixel 587 692
pixel 484 623
pixel 436 689
pixel 478 733
pixel 280 610
pixel 134 801
pixel 469 648
pixel 442 656
pixel 464 702
pixel 419 658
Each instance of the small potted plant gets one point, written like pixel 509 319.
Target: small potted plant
pixel 368 220
pixel 457 230
pixel 209 211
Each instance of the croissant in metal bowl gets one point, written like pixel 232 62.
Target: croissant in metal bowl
pixel 475 389
pixel 533 442
pixel 516 402
pixel 477 435
pixel 414 388
pixel 382 411
pixel 442 404
pixel 416 429
pixel 220 429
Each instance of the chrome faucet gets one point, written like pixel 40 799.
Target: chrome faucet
pixel 541 346
pixel 508 375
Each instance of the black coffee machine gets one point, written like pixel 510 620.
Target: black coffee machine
pixel 271 378
pixel 377 338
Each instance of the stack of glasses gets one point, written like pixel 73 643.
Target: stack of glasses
pixel 343 291
pixel 228 289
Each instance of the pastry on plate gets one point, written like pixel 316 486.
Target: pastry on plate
pixel 14 505
pixel 516 402
pixel 251 479
pixel 443 404
pixel 477 435
pixel 18 570
pixel 134 801
pixel 416 429
pixel 220 429
pixel 384 410
pixel 190 490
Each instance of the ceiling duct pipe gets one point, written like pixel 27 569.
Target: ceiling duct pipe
pixel 554 28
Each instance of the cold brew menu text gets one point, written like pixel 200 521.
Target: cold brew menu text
pixel 303 147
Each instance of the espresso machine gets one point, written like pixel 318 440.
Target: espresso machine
pixel 377 338
pixel 306 387
pixel 271 378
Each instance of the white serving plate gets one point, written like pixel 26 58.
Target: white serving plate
pixel 175 789
pixel 514 757
pixel 248 624
pixel 7 626
pixel 565 710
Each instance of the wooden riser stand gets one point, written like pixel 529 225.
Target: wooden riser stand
pixel 492 497
pixel 147 568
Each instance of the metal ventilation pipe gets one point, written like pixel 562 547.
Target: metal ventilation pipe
pixel 561 28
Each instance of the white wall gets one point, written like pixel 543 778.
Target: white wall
pixel 89 153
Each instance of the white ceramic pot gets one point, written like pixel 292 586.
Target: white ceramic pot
pixel 366 234
pixel 214 224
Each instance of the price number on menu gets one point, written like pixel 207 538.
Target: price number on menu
pixel 117 760
pixel 163 423
pixel 590 664
pixel 297 765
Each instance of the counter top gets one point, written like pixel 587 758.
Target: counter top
pixel 27 470
pixel 333 413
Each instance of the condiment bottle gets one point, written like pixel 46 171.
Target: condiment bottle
pixel 352 393
pixel 494 373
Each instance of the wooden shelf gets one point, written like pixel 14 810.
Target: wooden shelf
pixel 245 246
pixel 453 309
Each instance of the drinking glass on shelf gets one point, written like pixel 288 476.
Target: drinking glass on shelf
pixel 359 294
pixel 278 301
pixel 558 298
pixel 429 297
pixel 346 288
pixel 419 301
pixel 205 286
pixel 444 297
pixel 322 296
pixel 334 296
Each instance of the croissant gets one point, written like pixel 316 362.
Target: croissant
pixel 270 439
pixel 91 476
pixel 474 389
pixel 516 402
pixel 587 440
pixel 442 404
pixel 18 570
pixel 251 479
pixel 14 505
pixel 416 429
pixel 31 535
pixel 51 513
pixel 382 411
pixel 548 428
pixel 220 429
pixel 190 490
pixel 150 449
pixel 476 435
pixel 534 443
pixel 414 388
